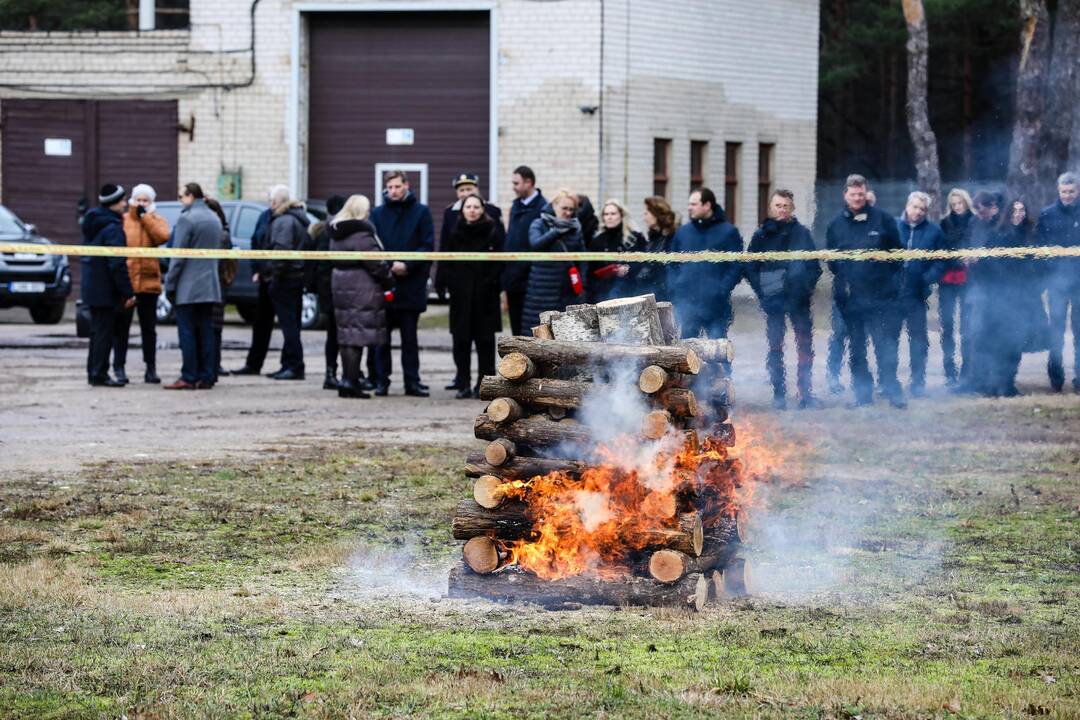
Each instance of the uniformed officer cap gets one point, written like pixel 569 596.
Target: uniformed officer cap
pixel 466 178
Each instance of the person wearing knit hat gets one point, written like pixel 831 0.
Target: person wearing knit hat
pixel 105 284
pixel 143 227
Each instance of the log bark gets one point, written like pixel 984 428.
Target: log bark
pixel 578 323
pixel 522 468
pixel 508 522
pixel 488 491
pixel 517 367
pixel 631 321
pixel 535 431
pixel 554 352
pixel 557 413
pixel 711 351
pixel 499 452
pixel 669 323
pixel 537 391
pixel 687 537
pixel 1023 180
pixel 483 555
pixel 923 139
pixel 515 585
pixel 505 409
pixel 680 402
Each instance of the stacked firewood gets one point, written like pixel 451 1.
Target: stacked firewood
pixel 532 429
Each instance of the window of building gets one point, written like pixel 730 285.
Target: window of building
pixel 661 167
pixel 765 178
pixel 75 15
pixel 699 150
pixel 732 155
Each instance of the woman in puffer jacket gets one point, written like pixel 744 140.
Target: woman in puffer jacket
pixel 358 288
pixel 554 285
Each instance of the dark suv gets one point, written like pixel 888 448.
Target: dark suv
pixel 41 283
pixel 242 216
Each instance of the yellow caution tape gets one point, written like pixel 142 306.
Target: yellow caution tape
pixel 1038 253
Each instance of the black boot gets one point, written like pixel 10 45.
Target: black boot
pixel 120 375
pixel 331 381
pixel 348 389
pixel 151 376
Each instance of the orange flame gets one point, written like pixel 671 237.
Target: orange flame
pixel 596 524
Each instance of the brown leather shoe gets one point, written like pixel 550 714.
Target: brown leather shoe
pixel 180 384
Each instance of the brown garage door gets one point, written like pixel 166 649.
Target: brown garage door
pixel 372 71
pixel 122 141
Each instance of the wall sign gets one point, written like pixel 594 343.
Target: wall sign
pixel 60 147
pixel 399 136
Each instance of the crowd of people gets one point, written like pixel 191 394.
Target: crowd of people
pixel 999 300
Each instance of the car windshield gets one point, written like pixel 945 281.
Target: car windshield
pixel 170 211
pixel 9 223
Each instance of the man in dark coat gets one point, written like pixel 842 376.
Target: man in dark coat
pixel 866 293
pixel 702 291
pixel 317 277
pixel 786 289
pixel 919 276
pixel 404 224
pixel 528 204
pixel 1059 224
pixel 106 286
pixel 288 231
pixel 263 326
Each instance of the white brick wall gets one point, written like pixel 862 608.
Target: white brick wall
pixel 741 71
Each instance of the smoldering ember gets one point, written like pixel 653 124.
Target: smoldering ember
pixel 520 359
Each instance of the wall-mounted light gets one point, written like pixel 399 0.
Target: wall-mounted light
pixel 588 109
pixel 188 128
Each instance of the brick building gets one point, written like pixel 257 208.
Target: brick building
pixel 611 97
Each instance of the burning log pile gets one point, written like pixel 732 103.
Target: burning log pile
pixel 607 477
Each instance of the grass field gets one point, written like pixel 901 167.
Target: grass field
pixel 928 569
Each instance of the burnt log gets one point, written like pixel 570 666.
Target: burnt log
pixel 676 358
pixel 522 468
pixel 669 323
pixel 535 431
pixel 508 522
pixel 734 581
pixel 656 424
pixel 513 584
pixel 489 491
pixel 719 545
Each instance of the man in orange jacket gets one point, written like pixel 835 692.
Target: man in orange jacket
pixel 143 227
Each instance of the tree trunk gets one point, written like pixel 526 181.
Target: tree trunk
pixel 553 352
pixel 507 522
pixel 522 468
pixel 1062 95
pixel 927 167
pixel 516 585
pixel 1023 179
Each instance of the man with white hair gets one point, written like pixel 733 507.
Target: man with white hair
pixel 917 233
pixel 288 231
pixel 1059 224
pixel 143 227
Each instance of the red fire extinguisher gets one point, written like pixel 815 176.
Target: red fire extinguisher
pixel 575 280
pixel 388 296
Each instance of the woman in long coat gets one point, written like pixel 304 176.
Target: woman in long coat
pixel 609 280
pixel 358 287
pixel 551 284
pixel 475 315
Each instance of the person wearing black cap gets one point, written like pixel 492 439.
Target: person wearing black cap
pixel 106 286
pixel 465 184
pixel 317 276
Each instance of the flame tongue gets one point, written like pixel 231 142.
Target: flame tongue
pixel 598 523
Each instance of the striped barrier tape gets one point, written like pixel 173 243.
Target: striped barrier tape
pixel 1038 253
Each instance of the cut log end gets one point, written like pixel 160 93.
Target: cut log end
pixel 543 332
pixel 516 366
pixel 668 565
pixel 488 491
pixel 735 580
pixel 656 424
pixel 482 555
pixel 499 452
pixel 652 379
pixel 505 410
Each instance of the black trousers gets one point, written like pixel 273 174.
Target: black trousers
pixel 485 355
pixel 515 302
pixel 1059 300
pixel 912 312
pixel 287 297
pixel 838 339
pixel 877 323
pixel 331 348
pixel 405 321
pixel 146 306
pixel 261 329
pixel 102 334
pixel 950 299
pixel 195 328
pixel 802 325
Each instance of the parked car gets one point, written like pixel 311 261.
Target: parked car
pixel 41 283
pixel 242 216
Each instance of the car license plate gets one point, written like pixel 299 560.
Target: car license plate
pixel 23 257
pixel 27 287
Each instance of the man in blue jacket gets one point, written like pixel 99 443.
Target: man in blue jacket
pixel 527 205
pixel 404 224
pixel 866 292
pixel 106 287
pixel 917 233
pixel 702 291
pixel 1059 224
